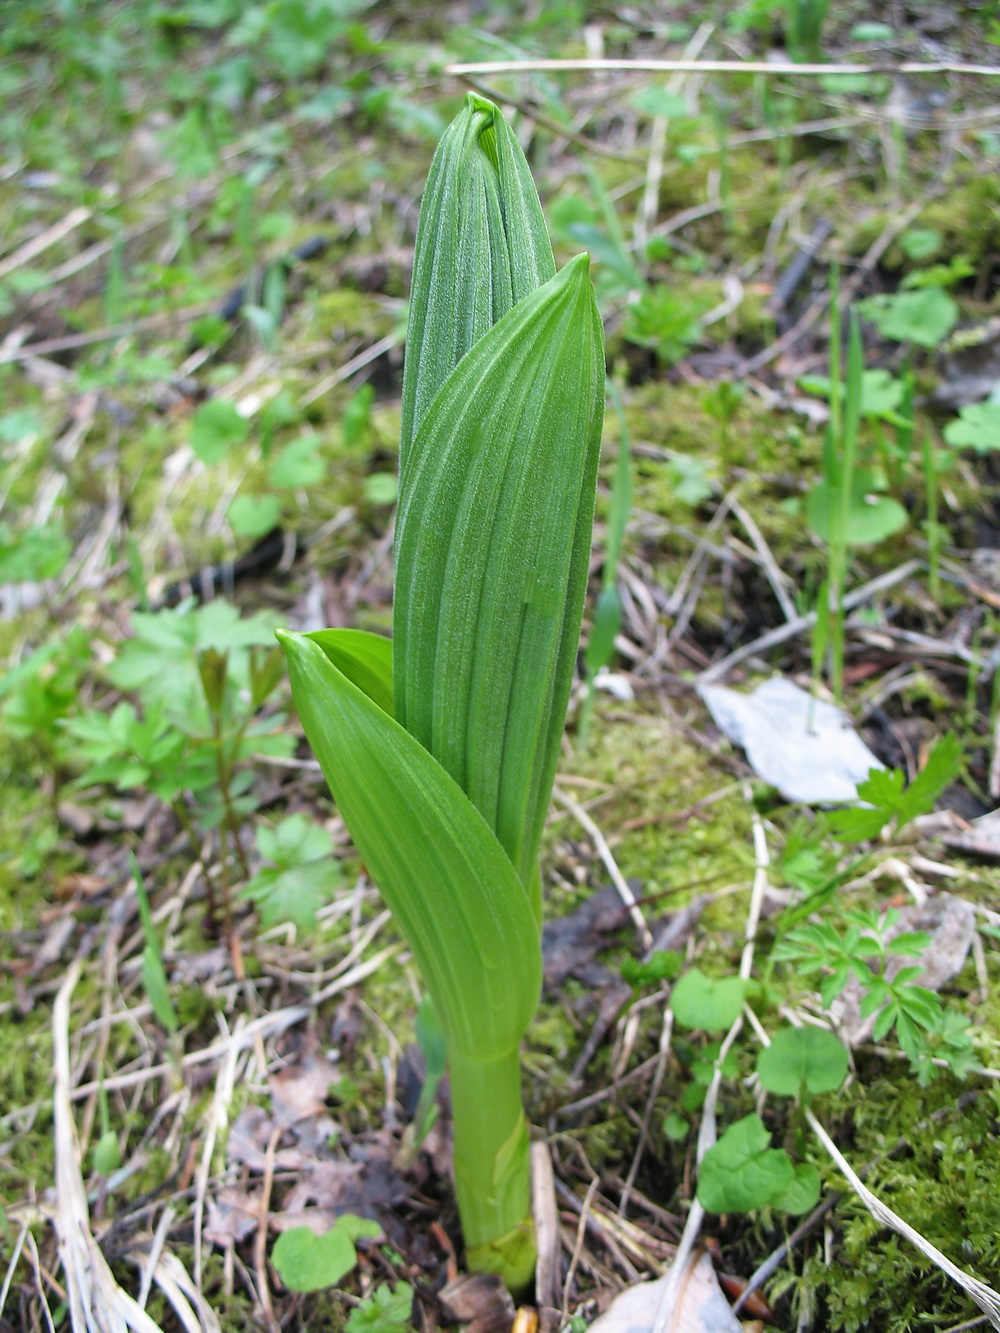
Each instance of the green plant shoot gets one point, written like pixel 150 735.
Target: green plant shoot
pixel 440 749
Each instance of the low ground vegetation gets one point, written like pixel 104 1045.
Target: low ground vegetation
pixel 205 1011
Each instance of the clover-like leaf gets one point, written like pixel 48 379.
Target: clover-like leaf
pixel 254 515
pixel 922 317
pixel 299 464
pixel 871 517
pixel 711 1004
pixel 215 428
pixel 805 1058
pixel 977 427
pixel 802 1193
pixel 742 1171
pixel 307 1262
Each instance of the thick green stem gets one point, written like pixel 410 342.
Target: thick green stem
pixel 492 1167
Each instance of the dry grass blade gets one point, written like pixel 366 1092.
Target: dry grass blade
pixel 610 864
pixel 96 1302
pixel 188 1303
pixel 706 1133
pixel 27 252
pixel 546 1215
pixel 712 67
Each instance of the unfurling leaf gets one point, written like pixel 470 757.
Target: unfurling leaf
pixel 492 552
pixel 481 245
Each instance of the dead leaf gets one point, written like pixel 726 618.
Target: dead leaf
pixel 805 747
pixel 332 1185
pixel 248 1139
pixel 570 942
pixel 480 1301
pixel 360 1187
pixel 700 1306
pixel 232 1216
pixel 299 1090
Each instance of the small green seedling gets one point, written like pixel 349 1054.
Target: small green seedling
pixel 811 863
pixel 925 1029
pixel 302 876
pixel 802 1060
pixel 977 427
pixel 956 270
pixel 924 317
pixel 384 1311
pixel 201 679
pixel 106 1154
pixel 41 691
pixel 844 509
pixel 711 1004
pixel 662 965
pixel 154 976
pixel 308 1262
pixel 804 21
pixel 889 799
pixel 742 1172
pixel 216 428
pixel 920 243
pixel 722 404
pixel 32 555
pixel 663 321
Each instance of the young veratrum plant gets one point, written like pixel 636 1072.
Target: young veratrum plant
pixel 441 747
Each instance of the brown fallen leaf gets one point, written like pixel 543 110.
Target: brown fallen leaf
pixel 299 1090
pixel 480 1301
pixel 570 942
pixel 248 1139
pixel 232 1216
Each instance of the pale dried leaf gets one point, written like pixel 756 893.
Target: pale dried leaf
pixel 805 747
pixel 480 1301
pixel 700 1306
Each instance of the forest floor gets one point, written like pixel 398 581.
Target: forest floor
pixel 207 1028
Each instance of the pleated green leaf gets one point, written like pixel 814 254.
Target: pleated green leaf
pixel 364 658
pixel 481 245
pixel 492 551
pixel 453 892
